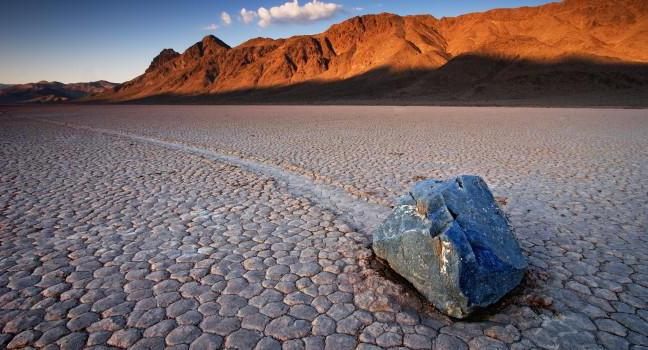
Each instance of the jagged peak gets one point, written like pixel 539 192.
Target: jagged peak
pixel 168 52
pixel 211 40
pixel 209 44
pixel 165 56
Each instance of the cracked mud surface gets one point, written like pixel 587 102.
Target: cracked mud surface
pixel 247 227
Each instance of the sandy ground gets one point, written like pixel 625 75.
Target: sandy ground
pixel 248 226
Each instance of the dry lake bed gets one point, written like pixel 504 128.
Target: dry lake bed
pixel 248 227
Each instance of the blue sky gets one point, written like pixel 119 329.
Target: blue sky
pixel 85 40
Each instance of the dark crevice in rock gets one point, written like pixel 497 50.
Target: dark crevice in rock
pixel 454 215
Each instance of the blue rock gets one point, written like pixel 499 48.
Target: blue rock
pixel 451 240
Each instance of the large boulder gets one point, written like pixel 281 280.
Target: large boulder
pixel 451 240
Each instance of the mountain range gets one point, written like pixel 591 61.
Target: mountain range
pixel 588 52
pixel 51 91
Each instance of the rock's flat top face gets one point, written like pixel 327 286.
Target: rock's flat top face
pixel 162 245
pixel 453 242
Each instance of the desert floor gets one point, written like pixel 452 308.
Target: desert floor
pixel 249 227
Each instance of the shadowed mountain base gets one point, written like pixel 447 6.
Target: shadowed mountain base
pixel 465 80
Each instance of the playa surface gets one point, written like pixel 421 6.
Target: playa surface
pixel 249 226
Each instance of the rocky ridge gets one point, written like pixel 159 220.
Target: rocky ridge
pixel 574 46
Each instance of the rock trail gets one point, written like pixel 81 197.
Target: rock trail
pixel 364 216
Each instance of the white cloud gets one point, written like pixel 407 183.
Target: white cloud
pixel 247 16
pixel 265 17
pixel 292 12
pixel 225 17
pixel 212 26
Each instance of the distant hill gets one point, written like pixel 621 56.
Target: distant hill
pixel 48 92
pixel 4 86
pixel 592 50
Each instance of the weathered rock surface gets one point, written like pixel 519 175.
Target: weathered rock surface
pixel 453 243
